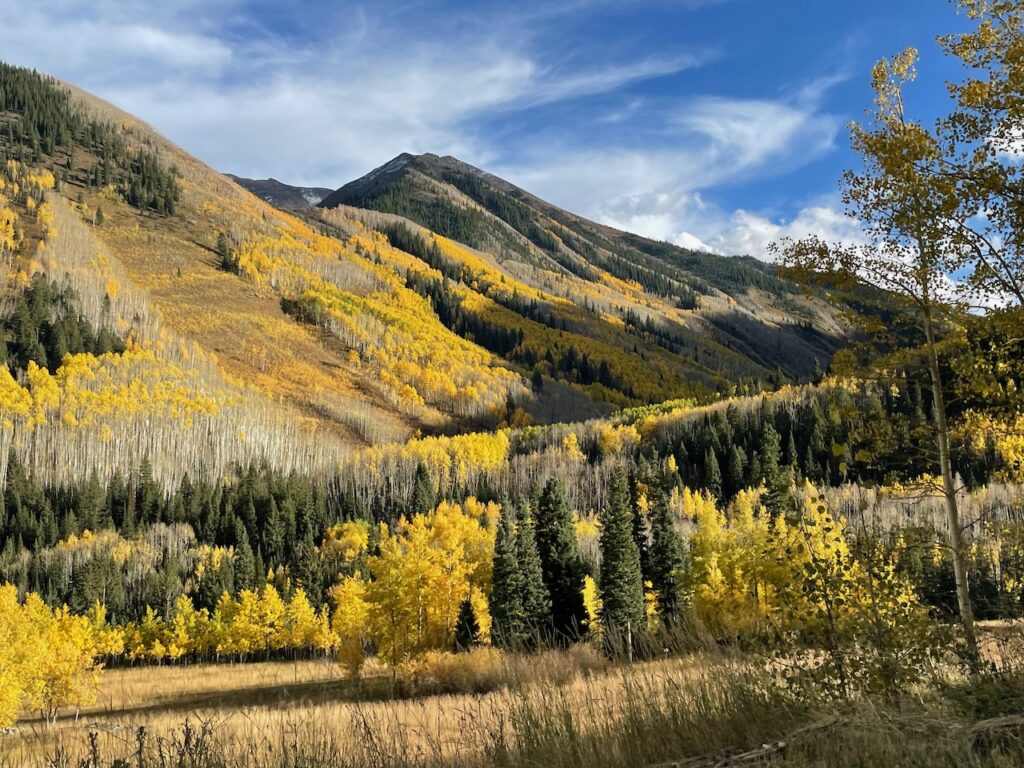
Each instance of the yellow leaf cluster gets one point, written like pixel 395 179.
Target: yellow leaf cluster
pixel 47 657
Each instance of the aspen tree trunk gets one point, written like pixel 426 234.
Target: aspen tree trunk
pixel 963 594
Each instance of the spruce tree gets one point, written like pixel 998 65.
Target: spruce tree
pixel 561 563
pixel 666 558
pixel 467 629
pixel 777 481
pixel 536 600
pixel 640 489
pixel 507 615
pixel 621 585
pixel 712 474
pixel 734 471
pixel 423 494
pixel 245 562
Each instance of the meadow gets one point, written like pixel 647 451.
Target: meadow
pixel 560 708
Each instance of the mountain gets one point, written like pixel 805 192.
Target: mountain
pixel 207 328
pixel 719 320
pixel 156 311
pixel 281 195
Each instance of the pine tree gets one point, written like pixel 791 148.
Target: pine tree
pixel 621 584
pixel 778 481
pixel 508 618
pixel 307 569
pixel 561 563
pixel 640 488
pixel 712 473
pixel 536 600
pixel 423 495
pixel 666 558
pixel 734 471
pixel 245 562
pixel 148 494
pixel 91 503
pixel 275 534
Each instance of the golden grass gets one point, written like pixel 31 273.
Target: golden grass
pixel 558 709
pixel 269 705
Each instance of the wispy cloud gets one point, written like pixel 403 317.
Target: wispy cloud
pixel 315 108
pixel 319 98
pixel 692 147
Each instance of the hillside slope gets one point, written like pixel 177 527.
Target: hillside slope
pixel 451 301
pixel 289 345
pixel 733 317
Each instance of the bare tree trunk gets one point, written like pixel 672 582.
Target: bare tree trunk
pixel 963 594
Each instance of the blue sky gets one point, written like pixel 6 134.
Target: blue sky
pixel 714 122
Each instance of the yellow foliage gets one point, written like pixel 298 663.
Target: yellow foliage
pixel 47 657
pixel 423 573
pixel 350 622
pixel 346 541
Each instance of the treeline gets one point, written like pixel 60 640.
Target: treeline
pixel 42 125
pixel 277 523
pixel 269 520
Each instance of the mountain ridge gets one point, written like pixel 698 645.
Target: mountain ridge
pixel 287 197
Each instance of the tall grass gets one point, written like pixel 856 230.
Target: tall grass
pixel 555 711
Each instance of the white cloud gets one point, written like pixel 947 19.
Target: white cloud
pixel 313 111
pixel 363 87
pixel 750 234
pixel 704 143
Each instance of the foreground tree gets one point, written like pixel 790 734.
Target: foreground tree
pixel 622 587
pixel 561 562
pixel 905 202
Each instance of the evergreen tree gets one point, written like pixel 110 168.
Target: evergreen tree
pixel 245 562
pixel 666 558
pixel 467 629
pixel 148 494
pixel 508 619
pixel 91 503
pixel 778 481
pixel 307 569
pixel 621 584
pixel 423 495
pixel 536 599
pixel 734 471
pixel 275 534
pixel 561 563
pixel 712 473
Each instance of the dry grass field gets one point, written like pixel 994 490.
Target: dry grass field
pixel 554 709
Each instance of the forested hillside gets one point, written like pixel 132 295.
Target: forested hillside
pixel 721 320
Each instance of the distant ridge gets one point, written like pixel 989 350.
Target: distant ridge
pixel 281 195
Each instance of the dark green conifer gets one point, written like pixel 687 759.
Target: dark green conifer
pixel 507 616
pixel 561 563
pixel 621 583
pixel 467 628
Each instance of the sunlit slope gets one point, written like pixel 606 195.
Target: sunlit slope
pixel 310 318
pixel 156 313
pixel 722 321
